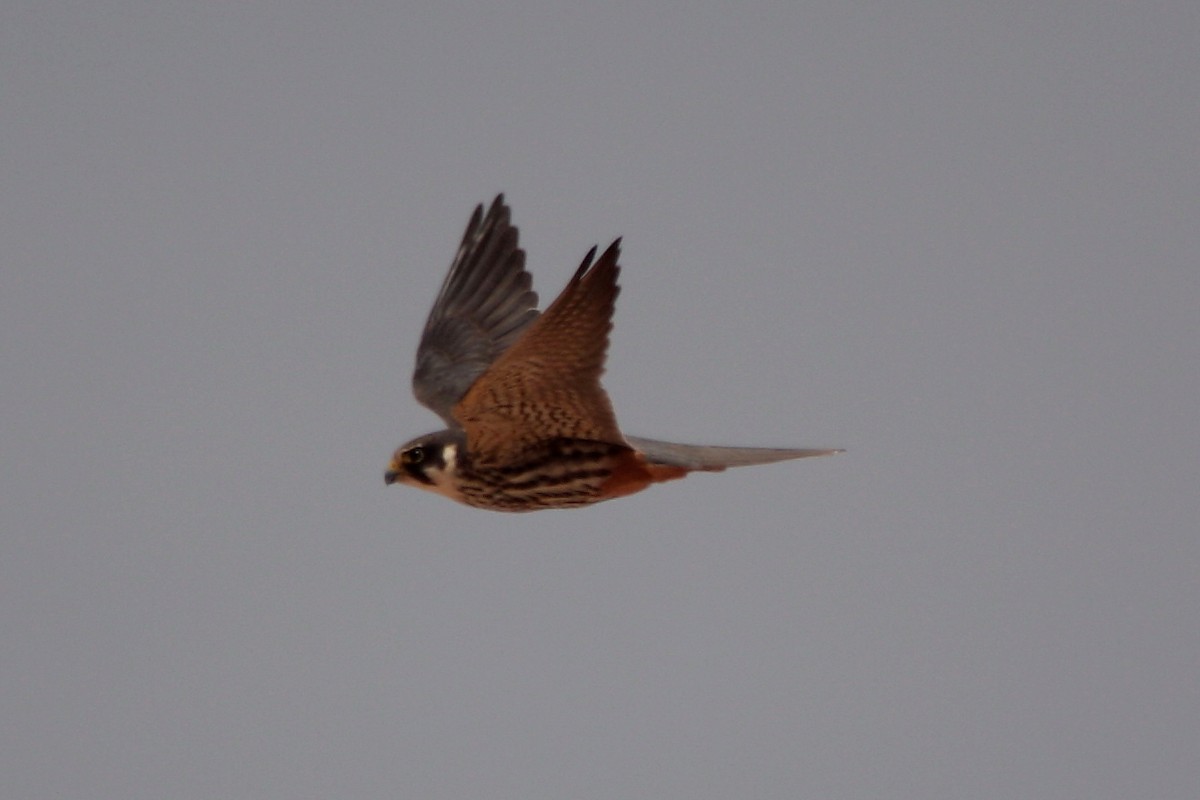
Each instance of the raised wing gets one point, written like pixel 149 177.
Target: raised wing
pixel 484 305
pixel 711 458
pixel 547 385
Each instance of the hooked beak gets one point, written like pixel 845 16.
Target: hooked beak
pixel 392 474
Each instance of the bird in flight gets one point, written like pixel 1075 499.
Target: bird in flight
pixel 529 426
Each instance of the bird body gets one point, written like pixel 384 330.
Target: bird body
pixel 530 426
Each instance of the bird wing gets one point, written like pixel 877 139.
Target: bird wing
pixel 714 459
pixel 484 305
pixel 547 385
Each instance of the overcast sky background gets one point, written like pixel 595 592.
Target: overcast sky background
pixel 959 239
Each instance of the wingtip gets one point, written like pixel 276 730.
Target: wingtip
pixel 583 265
pixel 613 251
pixel 494 211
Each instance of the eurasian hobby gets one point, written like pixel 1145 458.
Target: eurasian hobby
pixel 530 427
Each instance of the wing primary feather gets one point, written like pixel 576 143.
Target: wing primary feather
pixel 466 278
pixel 484 304
pixel 509 288
pixel 547 385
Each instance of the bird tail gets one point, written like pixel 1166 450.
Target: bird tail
pixel 709 458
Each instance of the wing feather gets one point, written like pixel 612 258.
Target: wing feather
pixel 485 303
pixel 547 385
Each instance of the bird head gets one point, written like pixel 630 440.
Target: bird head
pixel 427 462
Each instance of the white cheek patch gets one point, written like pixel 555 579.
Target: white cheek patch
pixel 443 477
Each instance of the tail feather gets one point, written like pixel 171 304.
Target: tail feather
pixel 710 458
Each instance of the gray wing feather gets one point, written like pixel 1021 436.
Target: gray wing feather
pixel 714 459
pixel 485 303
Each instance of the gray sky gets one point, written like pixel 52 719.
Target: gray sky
pixel 959 240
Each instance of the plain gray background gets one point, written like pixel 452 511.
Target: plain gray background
pixel 958 239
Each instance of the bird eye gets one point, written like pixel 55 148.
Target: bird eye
pixel 416 455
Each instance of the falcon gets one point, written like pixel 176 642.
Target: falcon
pixel 528 424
